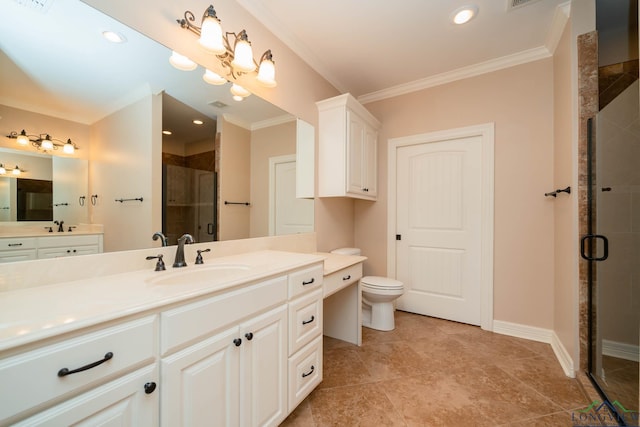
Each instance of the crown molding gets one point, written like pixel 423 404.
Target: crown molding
pixel 560 19
pixel 523 57
pixel 274 121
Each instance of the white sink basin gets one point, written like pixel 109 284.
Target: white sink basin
pixel 197 274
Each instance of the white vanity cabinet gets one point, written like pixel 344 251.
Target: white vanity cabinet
pixel 305 333
pixel 233 377
pixel 68 245
pixel 55 246
pixel 18 249
pixel 108 373
pixel 347 150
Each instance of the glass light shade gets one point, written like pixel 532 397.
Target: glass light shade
pixel 243 57
pixel 2 170
pixel 23 139
pixel 237 98
pixel 181 62
pixel 46 143
pixel 213 78
pixel 68 147
pixel 16 170
pixel 211 35
pixel 267 73
pixel 238 90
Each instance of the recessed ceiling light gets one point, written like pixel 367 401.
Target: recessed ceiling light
pixel 464 14
pixel 197 122
pixel 166 132
pixel 114 37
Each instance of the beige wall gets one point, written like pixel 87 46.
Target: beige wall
pixel 565 298
pixel 519 101
pixel 14 119
pixel 125 163
pixel 234 181
pixel 267 142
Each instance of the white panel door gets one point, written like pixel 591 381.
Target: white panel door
pixel 439 201
pixel 288 214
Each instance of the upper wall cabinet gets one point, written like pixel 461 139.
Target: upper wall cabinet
pixel 347 162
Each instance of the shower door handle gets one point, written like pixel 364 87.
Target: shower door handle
pixel 590 237
pixel 210 229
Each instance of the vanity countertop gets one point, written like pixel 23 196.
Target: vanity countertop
pixel 31 314
pixel 336 262
pixel 38 233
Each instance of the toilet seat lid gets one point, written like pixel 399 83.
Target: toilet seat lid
pixel 379 282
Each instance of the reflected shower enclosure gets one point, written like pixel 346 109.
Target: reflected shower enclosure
pixel 189 201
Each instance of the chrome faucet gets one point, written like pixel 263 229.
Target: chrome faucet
pixel 158 235
pixel 179 261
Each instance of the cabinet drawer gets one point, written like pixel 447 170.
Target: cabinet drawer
pixel 67 251
pixel 305 280
pixel 18 255
pixel 305 320
pixel 17 243
pixel 33 378
pixel 305 371
pixel 341 279
pixel 68 240
pixel 192 322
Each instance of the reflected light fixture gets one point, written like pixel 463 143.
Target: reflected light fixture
pixel 114 37
pixel 43 142
pixel 464 14
pixel 14 171
pixel 233 50
pixel 181 62
pixel 197 122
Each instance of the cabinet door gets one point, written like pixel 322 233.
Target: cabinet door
pixel 264 369
pixel 201 384
pixel 128 401
pixel 355 153
pixel 370 162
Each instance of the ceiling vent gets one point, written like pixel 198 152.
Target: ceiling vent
pixel 40 5
pixel 218 104
pixel 516 4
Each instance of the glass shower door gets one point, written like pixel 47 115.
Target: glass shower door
pixel 613 248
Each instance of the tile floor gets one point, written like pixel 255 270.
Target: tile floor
pixel 433 372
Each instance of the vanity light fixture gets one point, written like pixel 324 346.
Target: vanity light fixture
pixel 464 14
pixel 43 142
pixel 233 50
pixel 14 171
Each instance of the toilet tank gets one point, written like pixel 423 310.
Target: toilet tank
pixel 346 251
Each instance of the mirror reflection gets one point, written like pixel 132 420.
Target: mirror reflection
pixel 114 101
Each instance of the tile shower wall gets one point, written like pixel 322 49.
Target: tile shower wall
pixel 618 216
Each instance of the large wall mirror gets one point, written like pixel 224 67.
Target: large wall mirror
pixel 132 116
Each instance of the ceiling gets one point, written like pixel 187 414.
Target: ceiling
pixel 365 47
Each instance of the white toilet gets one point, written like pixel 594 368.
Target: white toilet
pixel 378 295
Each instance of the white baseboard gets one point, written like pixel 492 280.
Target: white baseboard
pixel 540 335
pixel 621 350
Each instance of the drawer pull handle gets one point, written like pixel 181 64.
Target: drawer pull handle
pixel 15 244
pixel 304 322
pixel 249 336
pixel 309 282
pixel 65 371
pixel 237 342
pixel 346 277
pixel 306 374
pixel 149 387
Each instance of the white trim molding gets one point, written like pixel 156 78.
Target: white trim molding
pixel 621 350
pixel 534 333
pixel 486 132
